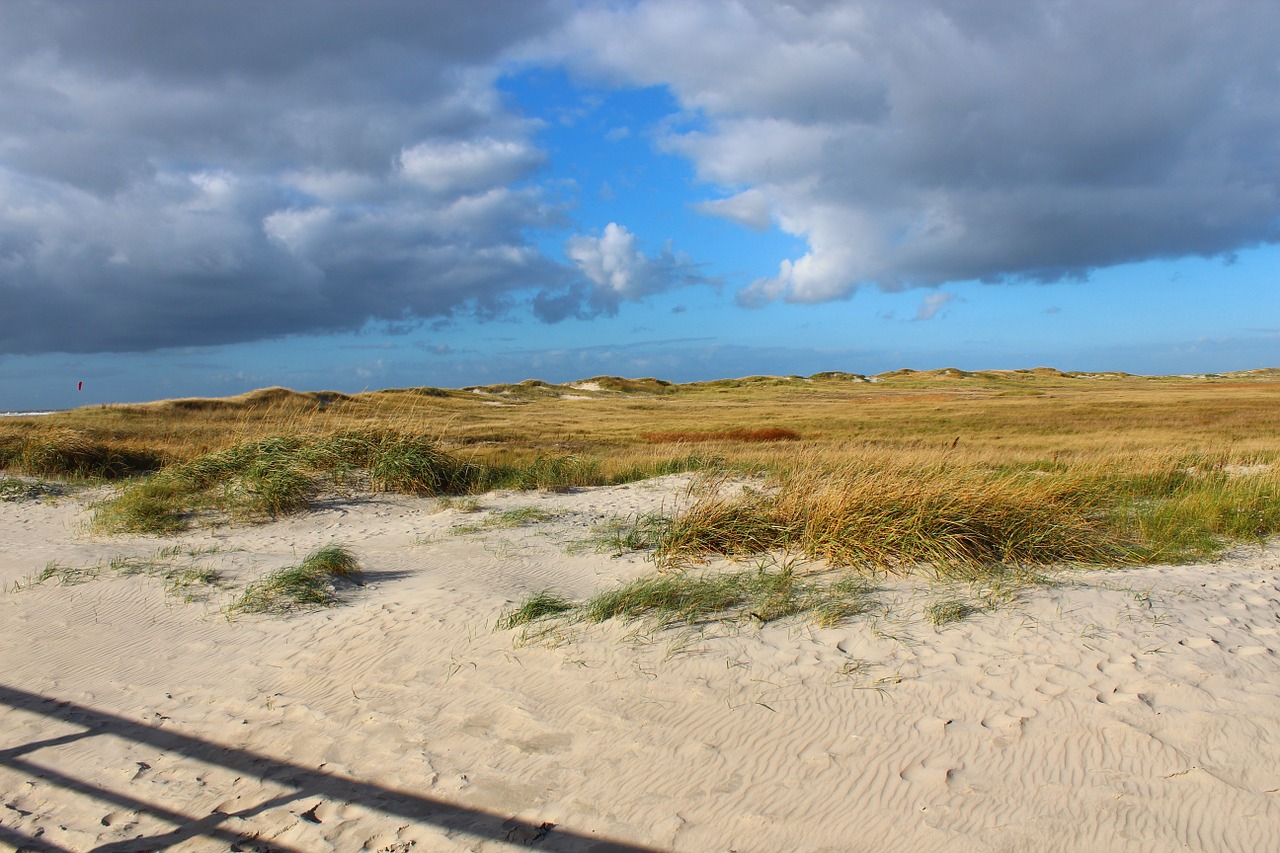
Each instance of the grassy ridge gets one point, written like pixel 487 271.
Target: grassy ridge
pixel 284 474
pixel 960 517
pixel 64 452
pixel 1021 417
pixel 951 469
pixel 279 475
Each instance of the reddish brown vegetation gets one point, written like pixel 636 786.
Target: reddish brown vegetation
pixel 737 434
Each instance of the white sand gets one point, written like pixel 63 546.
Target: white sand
pixel 1127 710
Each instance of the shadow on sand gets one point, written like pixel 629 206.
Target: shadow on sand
pixel 304 782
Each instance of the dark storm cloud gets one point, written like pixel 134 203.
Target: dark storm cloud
pixel 190 173
pixel 916 142
pixel 203 173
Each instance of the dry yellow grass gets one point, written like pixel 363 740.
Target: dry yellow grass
pixel 1003 417
pixel 952 467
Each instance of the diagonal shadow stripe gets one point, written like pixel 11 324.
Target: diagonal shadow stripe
pixel 187 826
pixel 28 843
pixel 464 820
pixel 14 752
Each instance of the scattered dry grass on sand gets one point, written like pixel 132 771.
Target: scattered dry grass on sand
pixel 950 469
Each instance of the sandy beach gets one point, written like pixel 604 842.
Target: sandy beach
pixel 1125 710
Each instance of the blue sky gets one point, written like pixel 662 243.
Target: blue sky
pixel 226 196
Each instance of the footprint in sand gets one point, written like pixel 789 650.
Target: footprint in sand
pixel 933 726
pixel 1123 664
pixel 1048 688
pixel 933 771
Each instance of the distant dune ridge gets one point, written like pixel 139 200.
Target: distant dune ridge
pixel 996 610
pixel 613 385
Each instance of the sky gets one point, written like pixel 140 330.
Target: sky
pixel 203 198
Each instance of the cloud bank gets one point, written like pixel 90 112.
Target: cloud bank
pixel 917 142
pixel 207 173
pixel 217 172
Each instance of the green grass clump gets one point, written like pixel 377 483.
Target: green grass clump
pixel 549 473
pixel 159 504
pixel 1199 515
pixel 191 583
pixel 663 467
pixel 64 575
pixel 514 517
pixel 948 610
pixel 540 605
pixel 675 598
pixel 415 466
pixel 639 532
pixel 282 475
pixel 307 586
pixel 849 596
pixel 761 595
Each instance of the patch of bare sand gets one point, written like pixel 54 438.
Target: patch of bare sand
pixel 1126 710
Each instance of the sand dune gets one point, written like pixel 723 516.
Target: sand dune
pixel 1121 710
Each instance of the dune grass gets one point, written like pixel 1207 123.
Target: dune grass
pixel 65 575
pixel 309 585
pixel 541 605
pixel 1020 415
pixel 951 469
pixel 190 582
pixel 520 516
pixel 759 595
pixel 73 454
pixel 959 518
pixel 284 474
pixel 622 535
pixel 991 477
pixel 948 610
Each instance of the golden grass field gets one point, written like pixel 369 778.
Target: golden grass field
pixel 1016 415
pixel 939 467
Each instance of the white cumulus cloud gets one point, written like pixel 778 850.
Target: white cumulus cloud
pixel 611 262
pixel 932 304
pixel 614 270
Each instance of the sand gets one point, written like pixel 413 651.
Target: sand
pixel 1122 710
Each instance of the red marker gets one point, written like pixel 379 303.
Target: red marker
pixel 79 386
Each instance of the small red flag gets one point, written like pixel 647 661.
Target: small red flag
pixel 79 386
